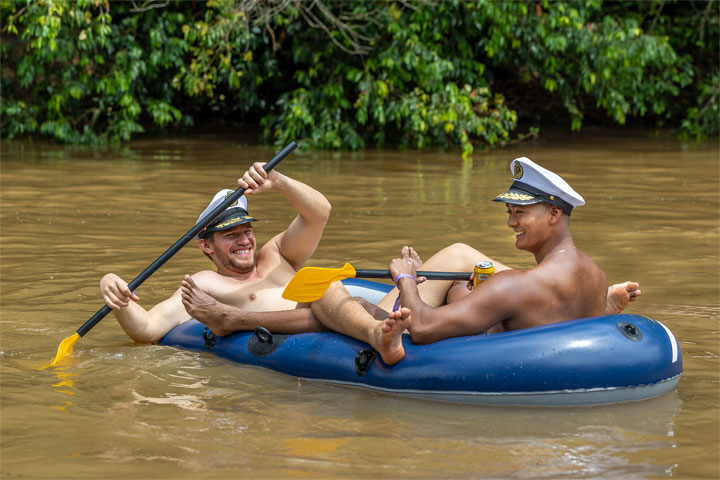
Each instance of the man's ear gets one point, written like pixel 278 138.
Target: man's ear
pixel 206 246
pixel 555 214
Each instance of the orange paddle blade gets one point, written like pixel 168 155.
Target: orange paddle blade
pixel 310 283
pixel 65 349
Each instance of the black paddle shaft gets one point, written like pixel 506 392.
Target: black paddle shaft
pixel 360 273
pixel 100 314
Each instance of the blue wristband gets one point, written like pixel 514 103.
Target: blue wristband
pixel 403 275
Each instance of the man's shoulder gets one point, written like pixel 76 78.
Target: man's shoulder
pixel 269 255
pixel 204 278
pixel 517 275
pixel 531 285
pixel 205 274
pixel 567 279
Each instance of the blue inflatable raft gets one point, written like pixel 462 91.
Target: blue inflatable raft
pixel 592 361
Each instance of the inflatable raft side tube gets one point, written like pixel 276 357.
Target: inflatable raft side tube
pixel 591 361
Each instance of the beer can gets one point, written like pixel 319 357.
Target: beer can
pixel 482 271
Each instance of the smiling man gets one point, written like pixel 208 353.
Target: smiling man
pixel 248 279
pixel 565 284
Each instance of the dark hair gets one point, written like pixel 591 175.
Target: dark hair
pixel 209 238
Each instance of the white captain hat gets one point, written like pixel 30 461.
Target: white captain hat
pixel 236 214
pixel 535 184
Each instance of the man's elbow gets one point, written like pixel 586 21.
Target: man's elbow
pixel 140 338
pixel 324 211
pixel 145 336
pixel 319 214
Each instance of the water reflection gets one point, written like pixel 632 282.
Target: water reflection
pixel 66 382
pixel 311 427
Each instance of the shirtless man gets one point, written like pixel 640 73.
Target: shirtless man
pixel 246 278
pixel 565 284
pixel 442 309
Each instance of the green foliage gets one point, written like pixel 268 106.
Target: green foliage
pixel 82 76
pixel 703 120
pixel 693 31
pixel 340 75
pixel 580 54
pixel 406 92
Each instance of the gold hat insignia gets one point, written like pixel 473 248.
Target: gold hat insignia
pixel 516 196
pixel 518 173
pixel 236 203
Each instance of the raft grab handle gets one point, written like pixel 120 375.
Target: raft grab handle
pixel 263 343
pixel 363 360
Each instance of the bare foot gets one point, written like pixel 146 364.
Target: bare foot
pixel 391 347
pixel 409 254
pixel 620 295
pixel 203 307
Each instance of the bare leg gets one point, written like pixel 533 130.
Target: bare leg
pixel 338 311
pixel 376 312
pixel 457 257
pixel 620 295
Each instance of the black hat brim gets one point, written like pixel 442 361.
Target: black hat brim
pixel 230 218
pixel 517 197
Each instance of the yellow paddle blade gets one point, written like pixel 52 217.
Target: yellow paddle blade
pixel 65 349
pixel 310 283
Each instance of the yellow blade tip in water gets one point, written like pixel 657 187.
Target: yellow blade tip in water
pixel 65 349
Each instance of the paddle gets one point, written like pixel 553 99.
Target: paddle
pixel 309 283
pixel 66 345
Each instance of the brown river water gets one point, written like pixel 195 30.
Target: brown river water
pixel 119 410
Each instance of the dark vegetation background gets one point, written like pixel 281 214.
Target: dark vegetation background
pixel 337 74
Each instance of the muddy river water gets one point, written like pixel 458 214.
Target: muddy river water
pixel 119 410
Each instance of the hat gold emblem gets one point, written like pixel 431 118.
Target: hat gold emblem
pixel 518 173
pixel 235 203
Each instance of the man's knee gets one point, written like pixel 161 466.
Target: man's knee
pixel 336 289
pixel 462 249
pixel 459 253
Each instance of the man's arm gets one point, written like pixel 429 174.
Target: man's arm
pixel 141 325
pixel 482 309
pixel 299 241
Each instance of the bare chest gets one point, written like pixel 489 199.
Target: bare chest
pixel 260 297
pixel 257 294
